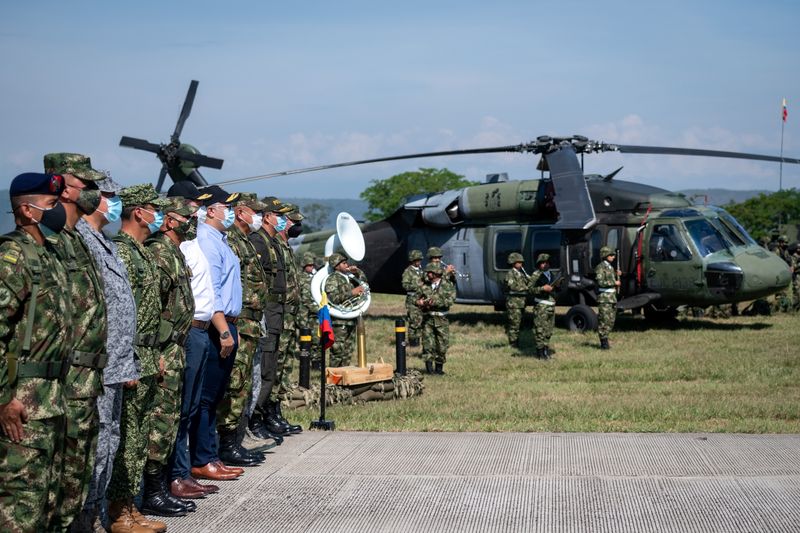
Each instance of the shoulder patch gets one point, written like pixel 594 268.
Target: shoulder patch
pixel 11 256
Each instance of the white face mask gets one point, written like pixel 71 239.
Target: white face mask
pixel 256 223
pixel 201 214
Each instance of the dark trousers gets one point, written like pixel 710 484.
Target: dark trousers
pixel 273 315
pixel 203 428
pixel 197 348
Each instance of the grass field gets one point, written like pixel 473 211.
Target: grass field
pixel 699 375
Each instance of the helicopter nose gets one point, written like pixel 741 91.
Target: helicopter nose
pixel 764 273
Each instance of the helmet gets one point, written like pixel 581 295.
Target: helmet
pixel 436 268
pixel 434 251
pixel 414 255
pixel 542 258
pixel 783 238
pixel 335 259
pixel 605 251
pixel 515 257
pixel 308 259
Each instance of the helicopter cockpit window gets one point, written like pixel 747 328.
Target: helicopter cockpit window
pixel 548 242
pixel 505 243
pixel 706 237
pixel 730 235
pixel 734 226
pixel 666 244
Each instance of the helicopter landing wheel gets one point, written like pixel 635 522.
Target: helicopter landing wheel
pixel 581 318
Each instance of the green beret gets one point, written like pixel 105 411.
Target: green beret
pixel 335 259
pixel 605 251
pixel 515 257
pixel 249 199
pixel 78 165
pixel 414 255
pixel 434 251
pixel 436 268
pixel 178 205
pixel 142 195
pixel 542 258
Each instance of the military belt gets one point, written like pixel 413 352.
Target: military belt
pixel 436 313
pixel 607 290
pixel 201 324
pixel 250 314
pixel 48 370
pixel 517 293
pixel 88 359
pixel 545 302
pixel 231 319
pixel 147 341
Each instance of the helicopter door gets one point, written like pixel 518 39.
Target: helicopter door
pixel 669 267
pixel 466 255
pixel 500 242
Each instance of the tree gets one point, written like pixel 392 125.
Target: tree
pixel 766 212
pixel 316 216
pixel 385 196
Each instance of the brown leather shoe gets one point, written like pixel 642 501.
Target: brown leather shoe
pixel 211 471
pixel 181 488
pixel 154 525
pixel 121 521
pixel 207 487
pixel 225 468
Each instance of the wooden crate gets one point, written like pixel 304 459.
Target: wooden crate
pixel 354 375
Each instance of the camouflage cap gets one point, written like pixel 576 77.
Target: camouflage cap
pixel 605 251
pixel 335 259
pixel 178 205
pixel 249 199
pixel 542 258
pixel 436 268
pixel 515 257
pixel 88 201
pixel 434 251
pixel 142 195
pixel 108 185
pixel 78 165
pixel 274 205
pixel 414 255
pixel 308 259
pixel 294 215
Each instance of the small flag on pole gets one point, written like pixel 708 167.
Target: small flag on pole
pixel 785 112
pixel 324 317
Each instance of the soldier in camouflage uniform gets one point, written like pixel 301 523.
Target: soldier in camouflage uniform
pixel 544 307
pixel 85 377
pixel 607 281
pixel 309 309
pixel 231 410
pixel 435 256
pixel 35 342
pixel 783 298
pixel 413 278
pixel 794 266
pixel 340 287
pixel 515 285
pixel 177 310
pixel 434 299
pixel 141 216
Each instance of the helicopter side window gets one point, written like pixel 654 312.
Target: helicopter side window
pixel 706 237
pixel 505 243
pixel 666 244
pixel 597 243
pixel 548 242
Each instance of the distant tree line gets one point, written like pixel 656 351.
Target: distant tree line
pixel 766 213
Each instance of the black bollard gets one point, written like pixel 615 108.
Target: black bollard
pixel 400 346
pixel 305 358
pixel 327 425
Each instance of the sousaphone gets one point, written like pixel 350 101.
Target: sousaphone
pixel 347 239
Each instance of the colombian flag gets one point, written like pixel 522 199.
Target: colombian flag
pixel 324 317
pixel 785 112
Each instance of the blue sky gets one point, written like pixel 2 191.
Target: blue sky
pixel 288 85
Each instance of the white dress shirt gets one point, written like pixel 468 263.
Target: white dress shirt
pixel 202 288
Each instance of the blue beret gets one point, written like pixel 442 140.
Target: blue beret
pixel 35 183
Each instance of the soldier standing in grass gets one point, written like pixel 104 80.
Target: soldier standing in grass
pixel 516 288
pixel 607 280
pixel 434 299
pixel 307 315
pixel 413 278
pixel 544 316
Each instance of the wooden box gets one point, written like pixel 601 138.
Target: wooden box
pixel 353 375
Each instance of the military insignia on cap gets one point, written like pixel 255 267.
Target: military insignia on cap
pixel 204 196
pixel 56 183
pixel 232 198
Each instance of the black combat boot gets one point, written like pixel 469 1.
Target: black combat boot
pixel 293 428
pixel 604 344
pixel 257 428
pixel 439 369
pixel 188 504
pixel 540 353
pixel 429 367
pixel 231 452
pixel 155 501
pixel 272 424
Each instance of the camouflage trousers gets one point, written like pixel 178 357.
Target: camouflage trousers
pixel 234 402
pixel 544 320
pixel 435 338
pixel 287 346
pixel 165 417
pixel 30 471
pixel 515 308
pixel 344 340
pixel 606 315
pixel 413 319
pixel 138 404
pixel 109 408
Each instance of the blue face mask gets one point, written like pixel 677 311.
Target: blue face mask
pixel 230 216
pixel 281 224
pixel 114 206
pixel 155 225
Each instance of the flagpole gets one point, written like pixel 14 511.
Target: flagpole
pixel 780 173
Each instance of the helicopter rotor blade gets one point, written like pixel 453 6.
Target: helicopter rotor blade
pixel 140 144
pixel 161 177
pixel 187 108
pixel 512 148
pixel 664 150
pixel 199 159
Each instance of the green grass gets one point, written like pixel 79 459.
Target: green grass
pixel 699 375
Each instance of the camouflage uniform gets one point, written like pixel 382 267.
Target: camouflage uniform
pixel 783 298
pixel 544 308
pixel 413 278
pixel 177 311
pixel 795 267
pixel 84 382
pixel 515 285
pixel 339 289
pixel 435 327
pixel 606 281
pixel 288 340
pixel 138 403
pixel 30 471
pixel 309 309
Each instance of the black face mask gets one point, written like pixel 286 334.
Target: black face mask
pixel 53 219
pixel 295 230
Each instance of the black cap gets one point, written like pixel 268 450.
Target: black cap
pixel 186 189
pixel 216 195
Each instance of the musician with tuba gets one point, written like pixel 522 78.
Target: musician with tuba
pixel 345 284
pixel 515 285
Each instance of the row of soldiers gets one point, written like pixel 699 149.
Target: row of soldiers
pixel 788 300
pixel 142 358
